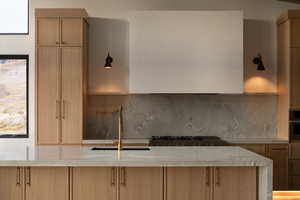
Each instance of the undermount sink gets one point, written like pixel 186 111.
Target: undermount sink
pixel 123 149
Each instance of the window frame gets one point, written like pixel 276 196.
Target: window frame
pixel 26 57
pixel 25 33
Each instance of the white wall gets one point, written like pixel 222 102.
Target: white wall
pixel 259 36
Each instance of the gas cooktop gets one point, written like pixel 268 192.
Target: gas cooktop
pixel 187 141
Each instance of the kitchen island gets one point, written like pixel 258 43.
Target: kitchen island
pixel 162 173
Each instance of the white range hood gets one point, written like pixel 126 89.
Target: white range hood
pixel 186 52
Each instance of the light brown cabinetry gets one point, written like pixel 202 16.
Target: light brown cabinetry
pixel 72 95
pixel 61 63
pixel 69 37
pixel 295 33
pixel 189 183
pixel 219 183
pixel 279 154
pixel 295 81
pixel 138 183
pixel 11 183
pixel 294 166
pixel 111 183
pixel 34 183
pixel 234 183
pixel 94 183
pixel 47 183
pixel 48 95
pixel 48 33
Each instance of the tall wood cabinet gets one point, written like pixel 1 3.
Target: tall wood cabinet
pixel 61 63
pixel 288 29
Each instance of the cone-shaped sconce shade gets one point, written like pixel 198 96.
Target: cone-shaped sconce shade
pixel 108 62
pixel 258 61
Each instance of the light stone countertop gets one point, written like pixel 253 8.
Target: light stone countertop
pixel 157 156
pixel 229 140
pixel 72 156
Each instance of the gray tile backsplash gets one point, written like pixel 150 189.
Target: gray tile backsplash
pixel 226 116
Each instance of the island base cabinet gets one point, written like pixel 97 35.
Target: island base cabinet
pixel 47 183
pixel 11 183
pixel 235 183
pixel 141 183
pixel 188 183
pixel 94 183
pixel 219 183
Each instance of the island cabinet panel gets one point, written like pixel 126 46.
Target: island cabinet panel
pixel 48 31
pixel 188 183
pixel 235 183
pixel 11 183
pixel 141 183
pixel 48 95
pixel 94 183
pixel 47 183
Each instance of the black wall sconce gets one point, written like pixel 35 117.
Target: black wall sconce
pixel 108 61
pixel 258 61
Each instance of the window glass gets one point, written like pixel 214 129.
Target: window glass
pixel 14 17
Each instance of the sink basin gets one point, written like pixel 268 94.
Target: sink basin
pixel 123 149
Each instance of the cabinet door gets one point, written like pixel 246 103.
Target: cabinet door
pixel 279 155
pixel 235 183
pixel 295 80
pixel 294 183
pixel 145 183
pixel 48 87
pixel 94 183
pixel 48 31
pixel 11 183
pixel 47 183
pixel 69 37
pixel 72 95
pixel 188 183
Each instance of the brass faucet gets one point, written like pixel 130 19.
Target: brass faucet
pixel 120 132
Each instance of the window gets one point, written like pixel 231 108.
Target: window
pixel 14 17
pixel 13 96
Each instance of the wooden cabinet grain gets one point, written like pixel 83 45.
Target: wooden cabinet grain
pixel 94 183
pixel 61 64
pixel 69 37
pixel 189 183
pixel 218 183
pixel 48 31
pixel 48 95
pixel 47 183
pixel 72 95
pixel 295 81
pixel 11 183
pixel 294 182
pixel 235 183
pixel 295 32
pixel 279 154
pixel 141 183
